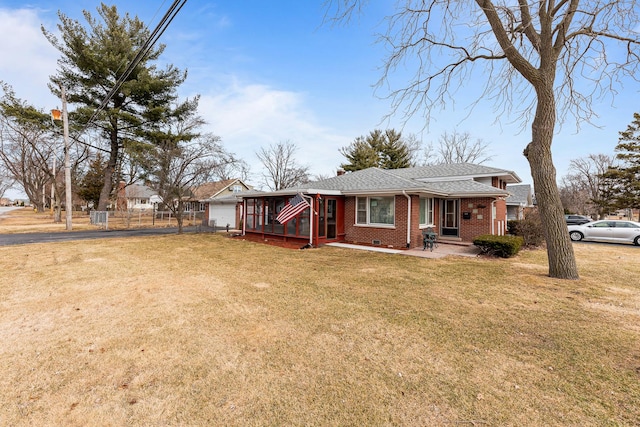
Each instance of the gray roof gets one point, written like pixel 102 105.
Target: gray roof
pixel 456 170
pixel 451 180
pixel 137 191
pixel 519 195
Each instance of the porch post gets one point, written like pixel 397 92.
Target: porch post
pixel 311 212
pixel 243 215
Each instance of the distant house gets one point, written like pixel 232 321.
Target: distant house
pixel 220 202
pixel 520 198
pixel 136 197
pixel 387 207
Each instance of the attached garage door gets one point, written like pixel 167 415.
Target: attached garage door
pixel 223 215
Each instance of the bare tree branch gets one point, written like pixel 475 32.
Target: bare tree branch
pixel 282 169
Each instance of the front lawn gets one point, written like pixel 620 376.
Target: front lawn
pixel 207 330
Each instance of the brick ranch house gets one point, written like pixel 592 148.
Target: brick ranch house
pixel 389 208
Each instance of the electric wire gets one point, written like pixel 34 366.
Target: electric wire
pixel 168 17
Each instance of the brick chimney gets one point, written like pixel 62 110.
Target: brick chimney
pixel 340 172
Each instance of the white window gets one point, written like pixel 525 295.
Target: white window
pixel 236 188
pixel 375 210
pixel 426 211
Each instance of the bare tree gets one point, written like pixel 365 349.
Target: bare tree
pixel 584 183
pixel 236 168
pixel 27 148
pixel 574 194
pixel 457 148
pixel 179 168
pixel 5 181
pixel 536 55
pixel 282 170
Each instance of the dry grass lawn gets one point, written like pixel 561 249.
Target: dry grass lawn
pixel 25 220
pixel 206 330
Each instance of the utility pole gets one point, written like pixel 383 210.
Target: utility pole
pixel 53 184
pixel 67 164
pixel 62 115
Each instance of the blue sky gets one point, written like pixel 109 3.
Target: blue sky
pixel 274 71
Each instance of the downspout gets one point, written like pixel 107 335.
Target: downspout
pixel 493 218
pixel 408 218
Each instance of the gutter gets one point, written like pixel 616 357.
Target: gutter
pixel 408 218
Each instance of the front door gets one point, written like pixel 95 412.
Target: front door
pixel 449 217
pixel 331 218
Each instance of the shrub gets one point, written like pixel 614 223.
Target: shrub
pixel 529 228
pixel 500 246
pixel 512 226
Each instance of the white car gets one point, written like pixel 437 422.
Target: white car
pixel 608 230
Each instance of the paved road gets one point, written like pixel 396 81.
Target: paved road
pixel 65 236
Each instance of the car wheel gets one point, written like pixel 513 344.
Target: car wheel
pixel 637 241
pixel 576 236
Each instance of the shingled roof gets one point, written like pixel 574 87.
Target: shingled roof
pixel 519 195
pixel 452 180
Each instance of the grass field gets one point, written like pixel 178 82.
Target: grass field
pixel 208 330
pixel 25 220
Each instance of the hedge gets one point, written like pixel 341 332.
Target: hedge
pixel 500 246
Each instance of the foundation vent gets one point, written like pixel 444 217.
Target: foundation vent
pixel 376 242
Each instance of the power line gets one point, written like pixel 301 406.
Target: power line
pixel 144 50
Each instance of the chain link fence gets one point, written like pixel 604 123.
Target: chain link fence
pixel 145 218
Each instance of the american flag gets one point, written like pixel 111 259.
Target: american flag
pixel 294 206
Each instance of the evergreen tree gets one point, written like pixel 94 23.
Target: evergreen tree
pixel 360 155
pixel 92 182
pixel 386 150
pixel 624 180
pixel 93 60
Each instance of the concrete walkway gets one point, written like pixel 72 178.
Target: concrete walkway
pixel 443 250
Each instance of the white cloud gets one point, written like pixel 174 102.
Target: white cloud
pixel 251 116
pixel 27 57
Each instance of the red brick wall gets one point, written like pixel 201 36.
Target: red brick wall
pixel 500 226
pixel 478 223
pixel 395 236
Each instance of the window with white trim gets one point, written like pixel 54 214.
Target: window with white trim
pixel 426 211
pixel 375 210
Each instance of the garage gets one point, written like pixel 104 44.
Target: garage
pixel 222 211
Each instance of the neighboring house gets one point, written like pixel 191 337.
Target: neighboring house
pixel 136 197
pixel 388 207
pixel 519 200
pixel 220 202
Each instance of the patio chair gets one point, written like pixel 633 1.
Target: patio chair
pixel 429 239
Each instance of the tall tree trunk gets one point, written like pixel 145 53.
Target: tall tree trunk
pixel 180 216
pixel 562 263
pixel 109 171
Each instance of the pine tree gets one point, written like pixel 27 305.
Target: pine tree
pixel 93 60
pixel 386 150
pixel 92 182
pixel 624 180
